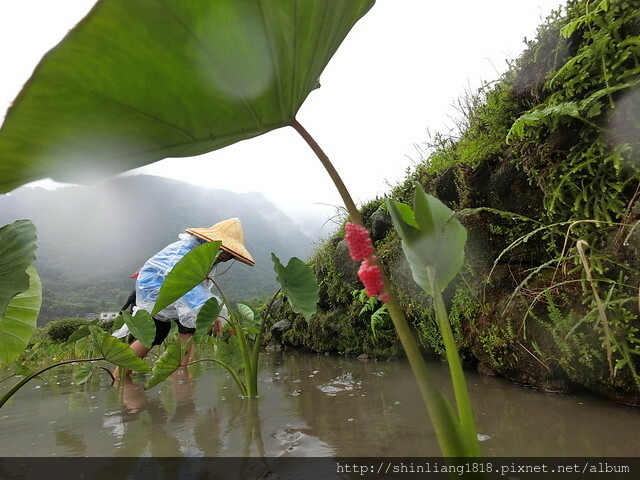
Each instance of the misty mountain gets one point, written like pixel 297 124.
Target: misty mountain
pixel 91 239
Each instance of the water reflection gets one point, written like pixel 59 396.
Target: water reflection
pixel 310 405
pixel 164 423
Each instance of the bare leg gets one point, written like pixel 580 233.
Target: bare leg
pixel 184 338
pixel 140 350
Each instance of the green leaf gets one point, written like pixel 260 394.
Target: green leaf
pixel 549 115
pixel 20 319
pixel 571 27
pixel 79 334
pixel 17 252
pixel 407 224
pixel 435 251
pixel 117 352
pixel 168 363
pixel 137 81
pixel 250 319
pixel 449 431
pixel 593 104
pixel 83 374
pixel 141 326
pixel 207 315
pixel 298 284
pixel 117 323
pixel 594 110
pixel 190 271
pixel 230 353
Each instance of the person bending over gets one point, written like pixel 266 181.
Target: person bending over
pixel 184 311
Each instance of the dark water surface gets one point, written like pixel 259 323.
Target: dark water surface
pixel 309 405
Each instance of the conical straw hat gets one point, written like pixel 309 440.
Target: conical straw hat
pixel 230 233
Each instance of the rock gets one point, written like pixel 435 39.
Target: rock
pixel 279 328
pixel 363 356
pixel 380 224
pixel 509 189
pixel 335 240
pixel 446 188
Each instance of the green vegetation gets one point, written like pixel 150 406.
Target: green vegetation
pixel 20 289
pixel 545 175
pixel 195 117
pixel 59 331
pixel 379 318
pixel 76 341
pixel 238 353
pixel 433 242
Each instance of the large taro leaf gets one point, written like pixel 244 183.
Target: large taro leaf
pixel 19 320
pixel 207 315
pixel 141 326
pixel 187 273
pixel 138 80
pixel 432 239
pixel 298 284
pixel 117 352
pixel 168 363
pixel 17 252
pixel 230 353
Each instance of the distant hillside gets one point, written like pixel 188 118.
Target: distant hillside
pixel 91 239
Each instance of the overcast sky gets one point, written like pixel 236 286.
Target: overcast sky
pixel 396 77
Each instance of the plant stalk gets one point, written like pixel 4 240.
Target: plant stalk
pixel 234 375
pixel 256 346
pixel 24 381
pixel 354 214
pixel 463 402
pixel 251 386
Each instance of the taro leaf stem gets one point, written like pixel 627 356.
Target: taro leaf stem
pixel 255 354
pixel 230 371
pixel 463 402
pixel 24 381
pixel 251 383
pixel 448 434
pixel 354 214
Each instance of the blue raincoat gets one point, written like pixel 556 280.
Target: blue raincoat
pixel 152 276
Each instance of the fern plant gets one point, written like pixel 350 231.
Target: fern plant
pixel 586 101
pixel 379 314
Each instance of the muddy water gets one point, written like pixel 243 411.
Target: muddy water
pixel 309 406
